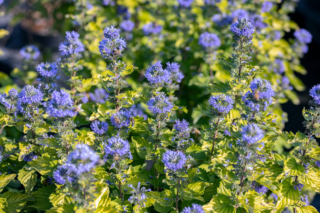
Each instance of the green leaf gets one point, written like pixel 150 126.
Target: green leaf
pixel 141 146
pixel 41 197
pixel 15 201
pixel 220 204
pixel 5 180
pixel 292 167
pixel 287 191
pixel 28 179
pixel 312 179
pixel 306 209
pixel 219 88
pixel 45 164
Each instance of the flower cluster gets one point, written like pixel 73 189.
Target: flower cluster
pixel 99 96
pixel 221 103
pixel 315 94
pixel 117 148
pixel 82 160
pixel 99 127
pixel 260 96
pixel 72 45
pixel 138 196
pixel 29 96
pixel 175 74
pixel 111 47
pixel 242 27
pixel 60 105
pixel 151 28
pixel 121 119
pixel 185 3
pixel 30 52
pixel 195 208
pixel 160 105
pixel 174 160
pixel 251 133
pixel 208 40
pixel 156 74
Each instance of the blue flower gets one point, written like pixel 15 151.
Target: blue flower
pixel 240 13
pixel 303 36
pixel 209 40
pixel 317 163
pixel 138 196
pixel 259 188
pixel 99 96
pixel 274 196
pixel 260 96
pixel 127 25
pixel 221 103
pixel 136 110
pixel 304 198
pixel 221 19
pixel 181 126
pixel 111 33
pixel 29 95
pixel 185 3
pixel 151 28
pixel 278 66
pixel 99 127
pixel 251 133
pixel 175 73
pixel 30 52
pixel 61 174
pixel 299 186
pixel 13 93
pixel 120 119
pixel 72 44
pixel 242 27
pixel 315 93
pixel 60 105
pixel 108 2
pixel 227 133
pixel 155 74
pixel 196 208
pixel 5 102
pixel 266 6
pixel 83 158
pixel 257 21
pixel 286 83
pixel 47 70
pixel 117 146
pixel 160 105
pixel 174 160
pixel 29 157
pixel 110 49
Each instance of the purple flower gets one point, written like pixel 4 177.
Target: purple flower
pixel 127 25
pixel 274 196
pixel 72 44
pixel 47 70
pixel 185 3
pixel 251 133
pixel 182 127
pixel 5 102
pixel 160 105
pixel 257 21
pixel 266 6
pixel 138 196
pixel 60 105
pixel 211 2
pixel 260 96
pixel 226 132
pixel 99 127
pixel 175 73
pixel 29 95
pixel 240 13
pixel 117 146
pixel 13 93
pixel 136 110
pixel 151 28
pixel 110 49
pixel 299 186
pixel 315 93
pixel 242 27
pixel 303 36
pixel 30 157
pixel 108 2
pixel 304 198
pixel 278 66
pixel 83 158
pixel 209 40
pixel 120 119
pixel 30 52
pixel 259 188
pixel 99 96
pixel 221 103
pixel 60 174
pixel 221 19
pixel 286 83
pixel 196 208
pixel 174 160
pixel 111 33
pixel 317 163
pixel 155 74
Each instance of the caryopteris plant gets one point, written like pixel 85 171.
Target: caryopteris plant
pixel 108 143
